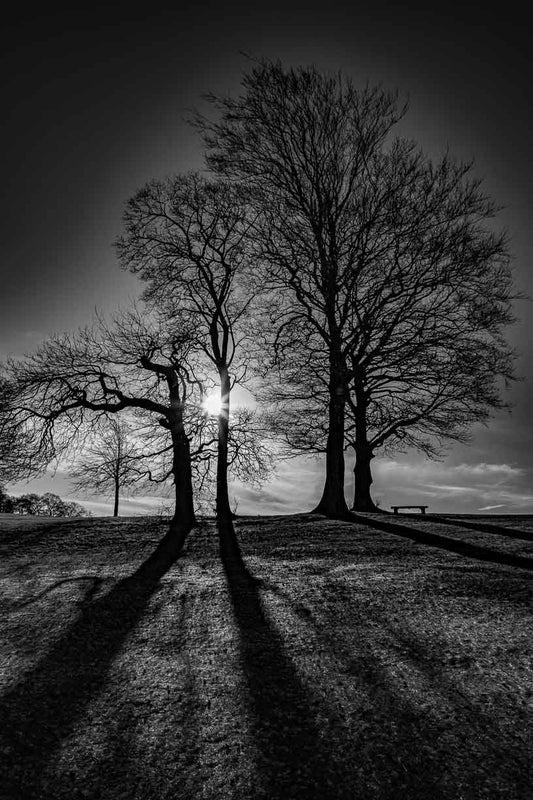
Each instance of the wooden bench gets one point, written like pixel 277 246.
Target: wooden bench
pixel 422 508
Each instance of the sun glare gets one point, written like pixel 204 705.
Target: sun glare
pixel 212 404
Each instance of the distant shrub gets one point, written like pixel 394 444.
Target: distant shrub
pixel 46 505
pixel 6 502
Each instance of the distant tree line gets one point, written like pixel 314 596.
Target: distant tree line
pixel 358 288
pixel 47 505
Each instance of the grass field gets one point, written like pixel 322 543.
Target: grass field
pixel 390 657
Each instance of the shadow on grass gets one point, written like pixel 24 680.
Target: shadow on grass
pixel 434 737
pixel 152 740
pixel 42 709
pixel 482 527
pixel 453 545
pixel 34 535
pixel 292 758
pixel 413 728
pixel 96 583
pixel 298 758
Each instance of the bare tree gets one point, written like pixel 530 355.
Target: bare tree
pixel 188 239
pixel 6 502
pixel 400 289
pixel 16 446
pixel 430 309
pixel 250 458
pixel 133 364
pixel 109 463
pixel 428 356
pixel 303 143
pixel 7 440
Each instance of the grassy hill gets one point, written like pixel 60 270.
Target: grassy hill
pixel 386 658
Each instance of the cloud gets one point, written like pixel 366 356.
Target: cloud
pixel 422 465
pixel 142 505
pixel 517 497
pixel 450 488
pixel 451 485
pixel 294 487
pixel 461 487
pixel 489 469
pixel 389 465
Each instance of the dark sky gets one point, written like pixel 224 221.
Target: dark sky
pixel 94 104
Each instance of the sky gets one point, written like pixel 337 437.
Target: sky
pixel 95 101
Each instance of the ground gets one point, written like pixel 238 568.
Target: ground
pixel 390 657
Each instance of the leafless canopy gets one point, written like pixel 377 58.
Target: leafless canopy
pixel 189 239
pixel 389 286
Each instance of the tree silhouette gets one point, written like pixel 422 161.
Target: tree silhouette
pixel 6 502
pixel 109 464
pixel 390 290
pixel 45 505
pixel 16 447
pixel 430 307
pixel 133 364
pixel 188 239
pixel 303 143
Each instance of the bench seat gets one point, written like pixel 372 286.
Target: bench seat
pixel 422 508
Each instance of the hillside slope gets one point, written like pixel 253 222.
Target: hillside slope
pixel 350 662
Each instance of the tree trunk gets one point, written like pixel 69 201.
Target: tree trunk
pixel 364 454
pixel 362 500
pixel 117 491
pixel 333 502
pixel 184 518
pixel 222 502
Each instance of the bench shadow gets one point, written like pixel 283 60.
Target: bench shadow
pixel 442 542
pixel 41 710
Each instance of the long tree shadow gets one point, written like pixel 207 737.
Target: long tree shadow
pixel 428 744
pixel 96 583
pixel 297 759
pixel 482 527
pixel 150 747
pixel 292 758
pixel 453 545
pixel 41 710
pixel 32 535
pixel 437 733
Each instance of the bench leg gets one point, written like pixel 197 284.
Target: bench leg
pixel 423 510
pixel 395 510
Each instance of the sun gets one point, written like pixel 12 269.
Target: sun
pixel 212 404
